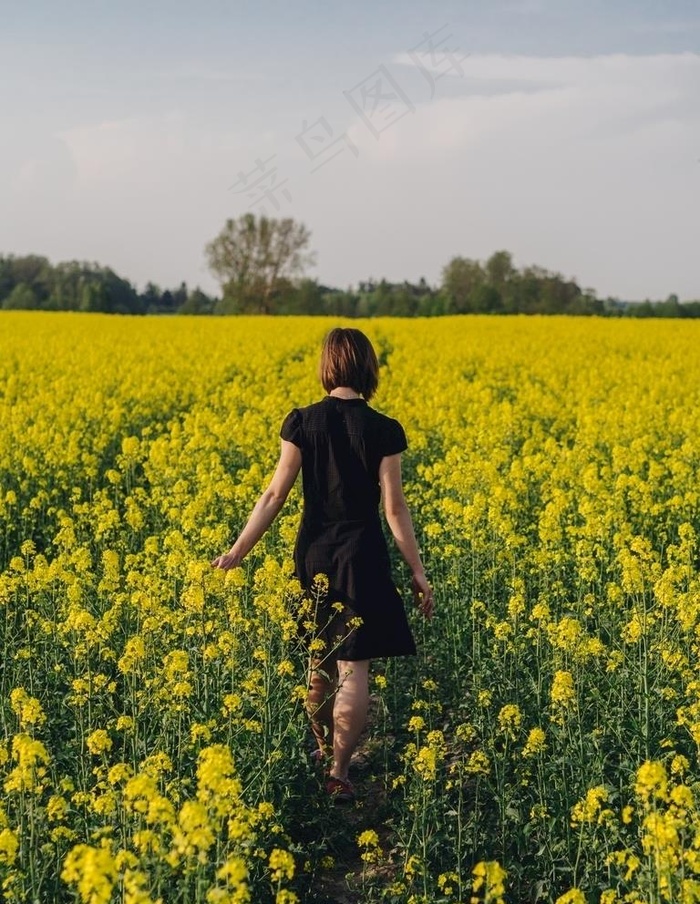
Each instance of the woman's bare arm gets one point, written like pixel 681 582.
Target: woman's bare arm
pixel 266 508
pixel 399 520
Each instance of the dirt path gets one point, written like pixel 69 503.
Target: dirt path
pixel 347 881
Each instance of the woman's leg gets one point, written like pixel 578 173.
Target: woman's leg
pixel 319 704
pixel 349 713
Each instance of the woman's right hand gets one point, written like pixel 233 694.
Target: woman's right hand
pixel 423 595
pixel 228 560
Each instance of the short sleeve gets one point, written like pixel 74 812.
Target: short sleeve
pixel 291 427
pixel 393 438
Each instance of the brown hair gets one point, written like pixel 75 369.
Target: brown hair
pixel 348 359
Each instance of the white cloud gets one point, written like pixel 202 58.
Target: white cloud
pixel 113 150
pixel 593 173
pixel 543 100
pixel 151 152
pixel 568 70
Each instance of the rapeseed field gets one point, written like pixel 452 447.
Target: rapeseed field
pixel 542 746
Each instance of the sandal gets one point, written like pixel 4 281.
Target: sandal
pixel 341 792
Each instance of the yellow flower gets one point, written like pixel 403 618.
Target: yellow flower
pixel 56 808
pixel 369 840
pixel 567 634
pixel 426 763
pixel 563 689
pixel 416 723
pixel 92 871
pixel 588 809
pixel 320 584
pixel 198 731
pixel 516 604
pixel 478 763
pixel 509 719
pixel 615 660
pixel 634 629
pixel 484 698
pixel 9 843
pixel 682 797
pixel 563 694
pixel 413 867
pixel 465 732
pixel 27 709
pixel 195 833
pixel 660 835
pixel 573 896
pixel 233 872
pixel 134 654
pixel 502 630
pixel 446 882
pixel 266 810
pixel 104 804
pixel 232 703
pixel 679 765
pixel 281 865
pixel 285 896
pixel 536 742
pixel 652 780
pixel 141 795
pixel 99 742
pixel 540 612
pixel 146 841
pixel 490 877
pixel 216 773
pixel 32 758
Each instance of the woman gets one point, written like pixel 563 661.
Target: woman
pixel 350 457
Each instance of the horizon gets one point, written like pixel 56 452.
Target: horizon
pixel 355 288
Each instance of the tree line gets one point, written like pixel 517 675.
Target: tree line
pixel 31 282
pixel 260 264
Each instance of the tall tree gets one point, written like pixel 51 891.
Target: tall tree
pixel 253 257
pixel 461 277
pixel 499 269
pixel 499 276
pixel 21 297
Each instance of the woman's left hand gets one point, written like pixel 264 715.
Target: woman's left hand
pixel 423 595
pixel 228 560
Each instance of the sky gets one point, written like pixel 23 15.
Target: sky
pixel 401 134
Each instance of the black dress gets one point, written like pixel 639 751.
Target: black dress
pixel 342 442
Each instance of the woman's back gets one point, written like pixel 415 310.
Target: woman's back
pixel 342 442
